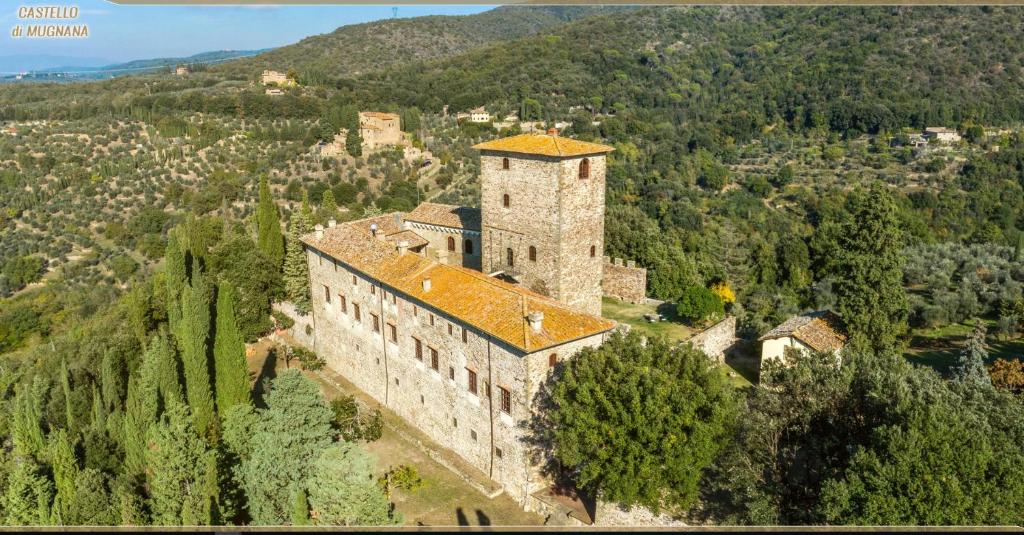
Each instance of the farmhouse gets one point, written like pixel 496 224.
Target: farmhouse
pixel 274 77
pixel 453 317
pixel 379 129
pixel 814 331
pixel 942 135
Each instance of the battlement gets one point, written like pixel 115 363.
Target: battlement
pixel 623 280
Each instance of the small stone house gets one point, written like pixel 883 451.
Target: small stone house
pixel 274 77
pixel 379 129
pixel 821 331
pixel 943 135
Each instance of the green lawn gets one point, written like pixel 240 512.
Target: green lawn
pixel 742 364
pixel 939 348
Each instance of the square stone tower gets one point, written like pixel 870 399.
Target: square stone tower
pixel 542 211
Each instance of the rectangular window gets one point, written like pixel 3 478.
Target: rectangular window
pixel 434 360
pixel 415 311
pixel 373 289
pixel 451 373
pixel 376 322
pixel 355 312
pixel 431 319
pixel 506 400
pixel 327 294
pixel 354 280
pixel 487 389
pixel 465 335
pixel 419 349
pixel 450 331
pixel 472 381
pixel 394 299
pixel 393 332
pixel 342 304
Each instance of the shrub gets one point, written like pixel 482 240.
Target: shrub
pixel 698 304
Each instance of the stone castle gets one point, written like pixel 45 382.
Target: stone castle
pixel 453 317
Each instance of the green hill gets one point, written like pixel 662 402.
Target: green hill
pixel 361 48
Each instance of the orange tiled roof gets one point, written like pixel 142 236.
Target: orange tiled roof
pixel 821 331
pixel 490 305
pixel 378 115
pixel 446 215
pixel 544 145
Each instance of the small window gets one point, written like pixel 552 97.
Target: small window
pixel 431 319
pixel 393 333
pixel 504 163
pixel 593 251
pixel 506 400
pixel 327 294
pixel 394 299
pixel 455 422
pixel 509 257
pixel 354 280
pixel 533 254
pixel 451 330
pixel 435 361
pixel 415 311
pixel 419 348
pixel 471 381
pixel 373 289
pixel 376 322
pixel 451 373
pixel 584 169
pixel 506 201
pixel 487 389
pixel 467 247
pixel 355 312
pixel 465 335
pixel 451 244
pixel 342 304
pixel 497 452
pixel 396 381
pixel 472 433
pixel 552 360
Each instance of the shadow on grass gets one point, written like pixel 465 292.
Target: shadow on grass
pixel 267 373
pixel 743 358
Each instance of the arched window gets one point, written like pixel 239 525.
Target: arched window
pixel 593 251
pixel 506 201
pixel 504 163
pixel 451 243
pixel 584 169
pixel 533 254
pixel 552 360
pixel 508 257
pixel 468 247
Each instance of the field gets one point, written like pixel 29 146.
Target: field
pixel 939 348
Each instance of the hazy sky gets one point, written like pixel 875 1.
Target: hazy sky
pixel 120 33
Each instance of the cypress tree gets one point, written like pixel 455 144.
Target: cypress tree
pixel 167 370
pixel 65 469
pixel 268 223
pixel 26 501
pixel 300 508
pixel 175 278
pixel 65 385
pixel 195 331
pixel 971 362
pixel 99 414
pixel 328 206
pixel 296 270
pixel 354 143
pixel 26 431
pixel 231 371
pixel 176 472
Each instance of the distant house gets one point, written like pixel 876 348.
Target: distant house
pixel 941 134
pixel 181 70
pixel 11 130
pixel 274 77
pixel 379 129
pixel 918 141
pixel 820 331
pixel 274 92
pixel 479 115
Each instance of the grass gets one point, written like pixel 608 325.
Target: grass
pixel 939 348
pixel 741 363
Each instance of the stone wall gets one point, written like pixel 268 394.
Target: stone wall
pixel 717 339
pixel 614 515
pixel 551 210
pixel 437 248
pixel 303 330
pixel 623 280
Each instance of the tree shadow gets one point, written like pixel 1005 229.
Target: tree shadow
pixel 482 519
pixel 743 358
pixel 267 372
pixel 460 516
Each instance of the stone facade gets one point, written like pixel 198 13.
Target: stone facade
pixel 274 77
pixel 463 249
pixel 717 339
pixel 624 280
pixel 379 129
pixel 551 209
pixel 386 364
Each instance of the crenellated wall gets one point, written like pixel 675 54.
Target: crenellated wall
pixel 624 280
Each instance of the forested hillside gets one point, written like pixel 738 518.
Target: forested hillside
pixel 360 48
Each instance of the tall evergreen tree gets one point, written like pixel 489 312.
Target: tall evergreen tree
pixel 176 458
pixel 328 206
pixel 343 492
pixel 971 362
pixel 65 386
pixel 175 278
pixel 26 502
pixel 231 371
pixel 296 269
pixel 26 429
pixel 64 467
pixel 354 143
pixel 268 222
pixel 869 272
pixel 194 345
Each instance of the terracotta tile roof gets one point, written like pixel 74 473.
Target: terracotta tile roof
pixel 821 330
pixel 490 305
pixel 446 215
pixel 378 115
pixel 544 145
pixel 414 240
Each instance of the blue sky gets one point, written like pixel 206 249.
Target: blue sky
pixel 121 32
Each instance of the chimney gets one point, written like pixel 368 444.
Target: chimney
pixel 552 131
pixel 536 320
pixel 331 223
pixel 403 246
pixel 426 284
pixel 319 231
